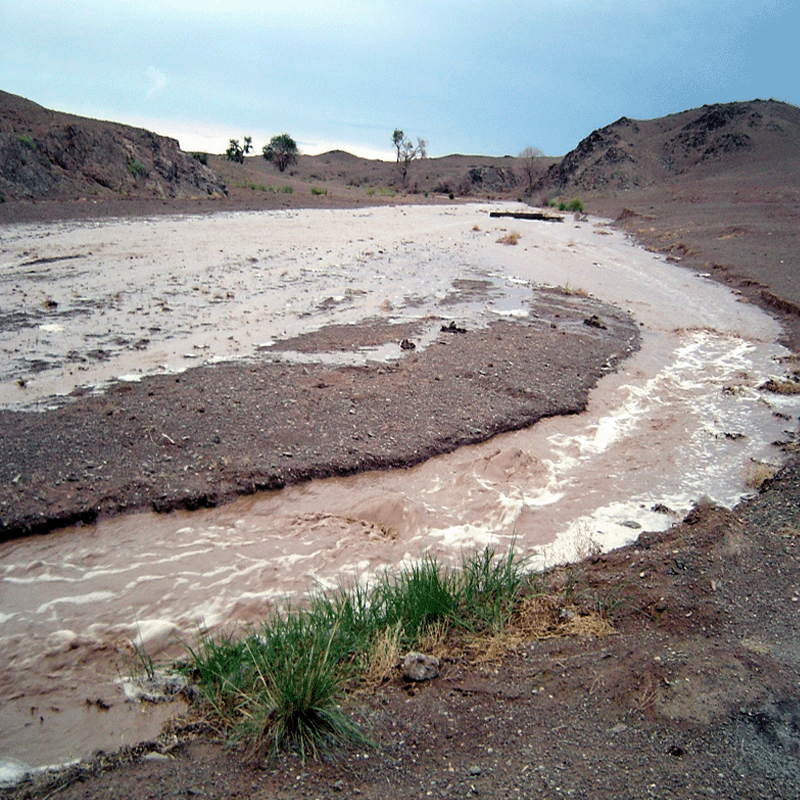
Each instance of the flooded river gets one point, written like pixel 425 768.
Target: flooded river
pixel 85 303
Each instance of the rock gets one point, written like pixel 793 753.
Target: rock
pixel 420 667
pixel 155 756
pixel 407 344
pixel 594 322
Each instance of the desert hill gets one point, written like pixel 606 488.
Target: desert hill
pixel 631 154
pixel 48 154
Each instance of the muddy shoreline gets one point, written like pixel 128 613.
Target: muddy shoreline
pixel 210 434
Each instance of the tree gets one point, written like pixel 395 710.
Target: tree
pixel 530 165
pixel 281 151
pixel 407 151
pixel 236 152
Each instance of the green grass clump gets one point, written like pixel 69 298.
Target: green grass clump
pixel 27 141
pixel 135 167
pixel 282 686
pixel 315 190
pixel 256 187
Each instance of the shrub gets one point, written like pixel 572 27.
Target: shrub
pixel 315 190
pixel 575 205
pixel 201 157
pixel 135 167
pixel 27 141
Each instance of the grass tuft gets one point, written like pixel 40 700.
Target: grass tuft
pixel 282 686
pixel 512 237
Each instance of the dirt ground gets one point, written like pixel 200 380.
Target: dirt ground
pixel 693 693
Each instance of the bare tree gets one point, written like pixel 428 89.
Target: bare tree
pixel 407 151
pixel 531 166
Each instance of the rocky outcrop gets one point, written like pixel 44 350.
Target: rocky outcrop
pixel 488 178
pixel 48 155
pixel 630 154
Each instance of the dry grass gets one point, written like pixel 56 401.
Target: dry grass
pixel 512 237
pixel 384 656
pixel 780 387
pixel 536 618
pixel 574 291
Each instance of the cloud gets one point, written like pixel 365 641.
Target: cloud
pixel 158 80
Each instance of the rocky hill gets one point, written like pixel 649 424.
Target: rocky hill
pixel 630 154
pixel 48 154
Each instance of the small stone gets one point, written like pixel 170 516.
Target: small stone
pixel 420 667
pixel 475 770
pixel 618 728
pixel 153 756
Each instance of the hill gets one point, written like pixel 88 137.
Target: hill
pixel 631 154
pixel 50 155
pixel 52 159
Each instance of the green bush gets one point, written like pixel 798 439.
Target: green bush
pixel 201 157
pixel 315 190
pixel 27 141
pixel 575 205
pixel 135 167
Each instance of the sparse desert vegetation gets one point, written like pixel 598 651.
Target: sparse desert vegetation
pixel 510 237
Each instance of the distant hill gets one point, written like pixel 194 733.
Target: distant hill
pixel 48 154
pixel 634 154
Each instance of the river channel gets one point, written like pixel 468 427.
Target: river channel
pixel 87 303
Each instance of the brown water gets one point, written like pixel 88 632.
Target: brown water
pixel 665 429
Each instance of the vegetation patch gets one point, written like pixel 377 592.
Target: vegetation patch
pixel 135 167
pixel 512 237
pixel 285 684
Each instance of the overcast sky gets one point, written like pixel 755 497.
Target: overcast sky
pixel 486 77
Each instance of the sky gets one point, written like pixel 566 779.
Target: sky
pixel 485 77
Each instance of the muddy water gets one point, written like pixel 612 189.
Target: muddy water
pixel 682 418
